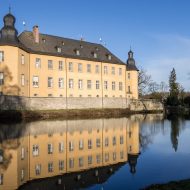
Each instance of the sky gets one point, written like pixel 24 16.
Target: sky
pixel 158 31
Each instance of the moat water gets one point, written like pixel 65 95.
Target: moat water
pixel 97 154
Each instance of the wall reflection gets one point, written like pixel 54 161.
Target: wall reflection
pixel 69 150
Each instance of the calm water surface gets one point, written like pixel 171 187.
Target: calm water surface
pixel 125 153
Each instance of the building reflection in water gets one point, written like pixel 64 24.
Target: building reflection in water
pixel 66 154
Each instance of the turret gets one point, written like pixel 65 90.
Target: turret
pixel 131 62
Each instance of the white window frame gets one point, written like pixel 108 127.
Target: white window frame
pixel 1 56
pixel 61 82
pixel 50 64
pixel 120 86
pixel 80 67
pixel 50 148
pixel 38 63
pixel 89 84
pixel 35 150
pixel 22 80
pixel 1 78
pixel 88 68
pixel 120 71
pixel 70 67
pixel 22 59
pixel 50 82
pixel 113 85
pixel 113 70
pixel 106 85
pixel 97 84
pixel 80 84
pixel 71 83
pixel 35 81
pixel 61 147
pixel 105 70
pixel 97 69
pixel 60 65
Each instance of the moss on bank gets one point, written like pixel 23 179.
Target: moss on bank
pixel 174 185
pixel 19 115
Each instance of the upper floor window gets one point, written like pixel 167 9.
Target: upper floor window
pixel 50 82
pixel 81 144
pixel 50 167
pixel 50 148
pixel 81 162
pixel 22 153
pixel 61 82
pixel 1 78
pixel 38 63
pixel 114 141
pixel 89 144
pixel 121 139
pixel 129 76
pixel 80 84
pixel 105 85
pixel 88 68
pixel 50 64
pixel 129 89
pixel 109 57
pixel 70 66
pixel 22 59
pixel 71 146
pixel 61 147
pixel 89 84
pixel 1 179
pixel 89 160
pixel 113 85
pixel 106 141
pixel 71 163
pixel 71 83
pixel 35 81
pixel 1 56
pixel 22 80
pixel 60 65
pixel 120 71
pixel 35 150
pixel 105 70
pixel 97 69
pixel 97 84
pixel 120 86
pixel 97 143
pixel 80 67
pixel 113 70
pixel 61 165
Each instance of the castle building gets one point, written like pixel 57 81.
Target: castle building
pixel 42 68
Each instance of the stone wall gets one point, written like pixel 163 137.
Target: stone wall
pixel 51 103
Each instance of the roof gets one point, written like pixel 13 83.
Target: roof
pixel 48 45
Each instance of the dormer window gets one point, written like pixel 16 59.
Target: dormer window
pixel 94 54
pixel 77 52
pixel 109 57
pixel 58 49
pixel 81 46
pixel 63 43
pixel 96 48
pixel 44 40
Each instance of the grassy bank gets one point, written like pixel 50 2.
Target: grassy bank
pixel 174 185
pixel 26 115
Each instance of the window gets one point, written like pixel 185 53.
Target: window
pixel 71 83
pixel 22 153
pixel 129 89
pixel 97 69
pixel 61 82
pixel 89 160
pixel 70 67
pixel 89 144
pixel 81 144
pixel 22 59
pixel 80 67
pixel 71 163
pixel 89 84
pixel 50 167
pixel 35 150
pixel 38 169
pixel 60 65
pixel 61 147
pixel 120 86
pixel 97 84
pixel 38 63
pixel 106 142
pixel 50 148
pixel 98 158
pixel 22 174
pixel 120 71
pixel 97 143
pixel 114 156
pixel 1 56
pixel 81 162
pixel 35 81
pixel 105 85
pixel 105 70
pixel 61 165
pixel 106 157
pixel 1 78
pixel 50 64
pixel 114 141
pixel 58 49
pixel 22 80
pixel 1 179
pixel 88 68
pixel 121 139
pixel 71 146
pixel 109 57
pixel 113 85
pixel 95 55
pixel 77 52
pixel 121 155
pixel 113 70
pixel 50 82
pixel 80 84
pixel 129 75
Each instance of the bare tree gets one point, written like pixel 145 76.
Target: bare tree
pixel 143 81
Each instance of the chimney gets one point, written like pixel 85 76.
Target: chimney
pixel 36 34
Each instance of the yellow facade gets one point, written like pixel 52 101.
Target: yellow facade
pixel 86 144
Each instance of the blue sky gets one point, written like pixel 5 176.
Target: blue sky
pixel 157 30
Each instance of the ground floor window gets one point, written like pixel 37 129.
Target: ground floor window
pixel 1 78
